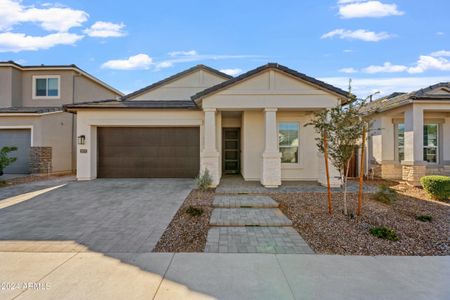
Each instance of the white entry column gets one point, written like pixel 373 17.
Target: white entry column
pixel 209 158
pixel 413 166
pixel 271 157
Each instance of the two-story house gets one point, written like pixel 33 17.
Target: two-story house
pixel 32 117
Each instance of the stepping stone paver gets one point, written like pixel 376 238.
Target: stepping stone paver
pixel 281 240
pixel 244 201
pixel 248 217
pixel 251 224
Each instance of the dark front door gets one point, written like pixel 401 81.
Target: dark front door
pixel 148 152
pixel 231 145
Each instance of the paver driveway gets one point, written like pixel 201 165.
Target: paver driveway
pixel 105 215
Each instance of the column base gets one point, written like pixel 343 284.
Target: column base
pixel 210 160
pixel 412 173
pixel 271 169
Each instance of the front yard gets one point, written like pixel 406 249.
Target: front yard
pixel 336 234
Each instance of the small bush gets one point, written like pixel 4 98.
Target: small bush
pixel 436 186
pixel 384 233
pixel 204 181
pixel 424 218
pixel 5 160
pixel 385 194
pixel 194 211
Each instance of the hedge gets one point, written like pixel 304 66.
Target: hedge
pixel 437 186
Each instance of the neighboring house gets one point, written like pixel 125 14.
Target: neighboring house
pixel 411 136
pixel 200 119
pixel 32 118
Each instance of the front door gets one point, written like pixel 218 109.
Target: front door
pixel 231 150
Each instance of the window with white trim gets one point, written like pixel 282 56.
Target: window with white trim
pixel 430 143
pixel 288 142
pixel 46 87
pixel 400 130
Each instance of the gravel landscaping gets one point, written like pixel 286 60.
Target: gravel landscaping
pixel 187 233
pixel 338 234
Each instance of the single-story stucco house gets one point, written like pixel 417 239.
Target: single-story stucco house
pixel 253 124
pixel 32 116
pixel 411 134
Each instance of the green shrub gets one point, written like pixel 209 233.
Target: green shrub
pixel 384 233
pixel 194 211
pixel 385 194
pixel 424 218
pixel 203 181
pixel 437 186
pixel 5 160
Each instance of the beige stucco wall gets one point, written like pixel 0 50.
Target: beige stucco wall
pixel 6 87
pixel 85 89
pixel 271 89
pixel 16 88
pixel 252 146
pixel 182 88
pixel 48 130
pixel 89 120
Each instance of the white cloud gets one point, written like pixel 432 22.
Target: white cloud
pixel 387 67
pixel 15 42
pixel 360 34
pixel 231 72
pixel 143 61
pixel 136 62
pixel 363 87
pixel 105 29
pixel 177 57
pixel 441 53
pixel 427 62
pixel 348 70
pixel 367 9
pixel 440 33
pixel 50 17
pixel 348 51
pixel 435 61
pixel 183 53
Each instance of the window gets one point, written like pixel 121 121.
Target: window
pixel 45 86
pixel 400 142
pixel 430 143
pixel 288 135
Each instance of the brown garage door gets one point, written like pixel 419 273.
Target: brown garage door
pixel 148 152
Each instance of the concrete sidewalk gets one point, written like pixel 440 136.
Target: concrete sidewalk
pixel 91 275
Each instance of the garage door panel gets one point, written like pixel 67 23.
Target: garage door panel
pixel 150 152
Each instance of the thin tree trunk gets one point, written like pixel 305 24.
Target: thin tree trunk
pixel 345 185
pixel 325 153
pixel 361 173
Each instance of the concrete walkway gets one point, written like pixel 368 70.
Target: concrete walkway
pixel 221 276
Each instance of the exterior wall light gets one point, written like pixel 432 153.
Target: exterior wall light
pixel 81 140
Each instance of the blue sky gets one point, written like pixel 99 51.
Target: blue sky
pixel 385 45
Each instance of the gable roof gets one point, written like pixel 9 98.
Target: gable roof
pixel 72 67
pixel 263 68
pixel 399 99
pixel 175 77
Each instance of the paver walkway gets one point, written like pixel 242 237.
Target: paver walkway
pixel 251 224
